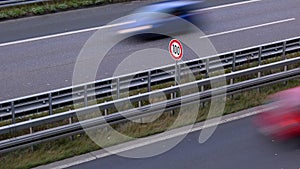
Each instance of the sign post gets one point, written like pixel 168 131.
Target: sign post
pixel 176 52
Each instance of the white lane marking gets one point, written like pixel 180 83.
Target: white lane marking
pixel 247 28
pixel 226 5
pixel 64 34
pixel 71 164
pixel 113 25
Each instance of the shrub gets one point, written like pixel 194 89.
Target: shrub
pixel 37 10
pixel 62 6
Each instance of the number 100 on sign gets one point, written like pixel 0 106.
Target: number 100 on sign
pixel 175 49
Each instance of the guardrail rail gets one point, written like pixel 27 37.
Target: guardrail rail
pixel 11 3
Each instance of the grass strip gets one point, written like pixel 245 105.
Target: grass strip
pixel 51 7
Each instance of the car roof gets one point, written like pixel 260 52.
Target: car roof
pixel 289 92
pixel 289 96
pixel 163 6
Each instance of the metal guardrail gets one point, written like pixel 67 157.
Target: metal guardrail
pixel 145 96
pixel 49 101
pixel 11 3
pixel 143 111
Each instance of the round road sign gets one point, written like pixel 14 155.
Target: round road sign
pixel 175 49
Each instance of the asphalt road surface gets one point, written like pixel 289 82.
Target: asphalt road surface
pixel 37 65
pixel 234 145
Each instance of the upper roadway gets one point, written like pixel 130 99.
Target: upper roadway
pixel 38 53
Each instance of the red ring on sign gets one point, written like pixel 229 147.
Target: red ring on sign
pixel 170 49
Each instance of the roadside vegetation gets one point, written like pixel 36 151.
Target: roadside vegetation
pixel 79 144
pixel 51 7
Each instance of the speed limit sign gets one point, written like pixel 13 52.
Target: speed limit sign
pixel 175 49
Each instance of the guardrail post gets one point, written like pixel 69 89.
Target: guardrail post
pixel 50 104
pixel 233 69
pixel 140 105
pixel 202 90
pixel 284 50
pixel 105 110
pixel 207 67
pixel 31 131
pixel 13 112
pixel 259 55
pixel 118 88
pixel 234 61
pixel 149 81
pixel 85 96
pixel 200 66
pixel 258 76
pixel 172 97
pixel 284 57
pixel 70 122
pixel 105 114
pixel 259 63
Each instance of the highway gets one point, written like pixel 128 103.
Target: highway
pixel 39 53
pixel 37 65
pixel 234 145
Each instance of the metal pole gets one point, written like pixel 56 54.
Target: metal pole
pixel 233 61
pixel 118 88
pixel 284 58
pixel 259 63
pixel 259 55
pixel 202 90
pixel 284 54
pixel 233 69
pixel 172 97
pixel 50 104
pixel 31 131
pixel 176 72
pixel 105 114
pixel 13 112
pixel 70 122
pixel 149 81
pixel 140 105
pixel 179 73
pixel 284 51
pixel 207 68
pixel 105 110
pixel 231 83
pixel 85 96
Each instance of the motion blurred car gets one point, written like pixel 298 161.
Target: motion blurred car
pixel 153 18
pixel 282 121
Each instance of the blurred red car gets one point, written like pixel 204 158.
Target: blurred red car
pixel 282 120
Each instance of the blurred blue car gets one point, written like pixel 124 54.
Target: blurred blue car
pixel 162 18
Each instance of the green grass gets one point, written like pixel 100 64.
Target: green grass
pixel 51 7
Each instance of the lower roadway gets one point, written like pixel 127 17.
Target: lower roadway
pixel 234 145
